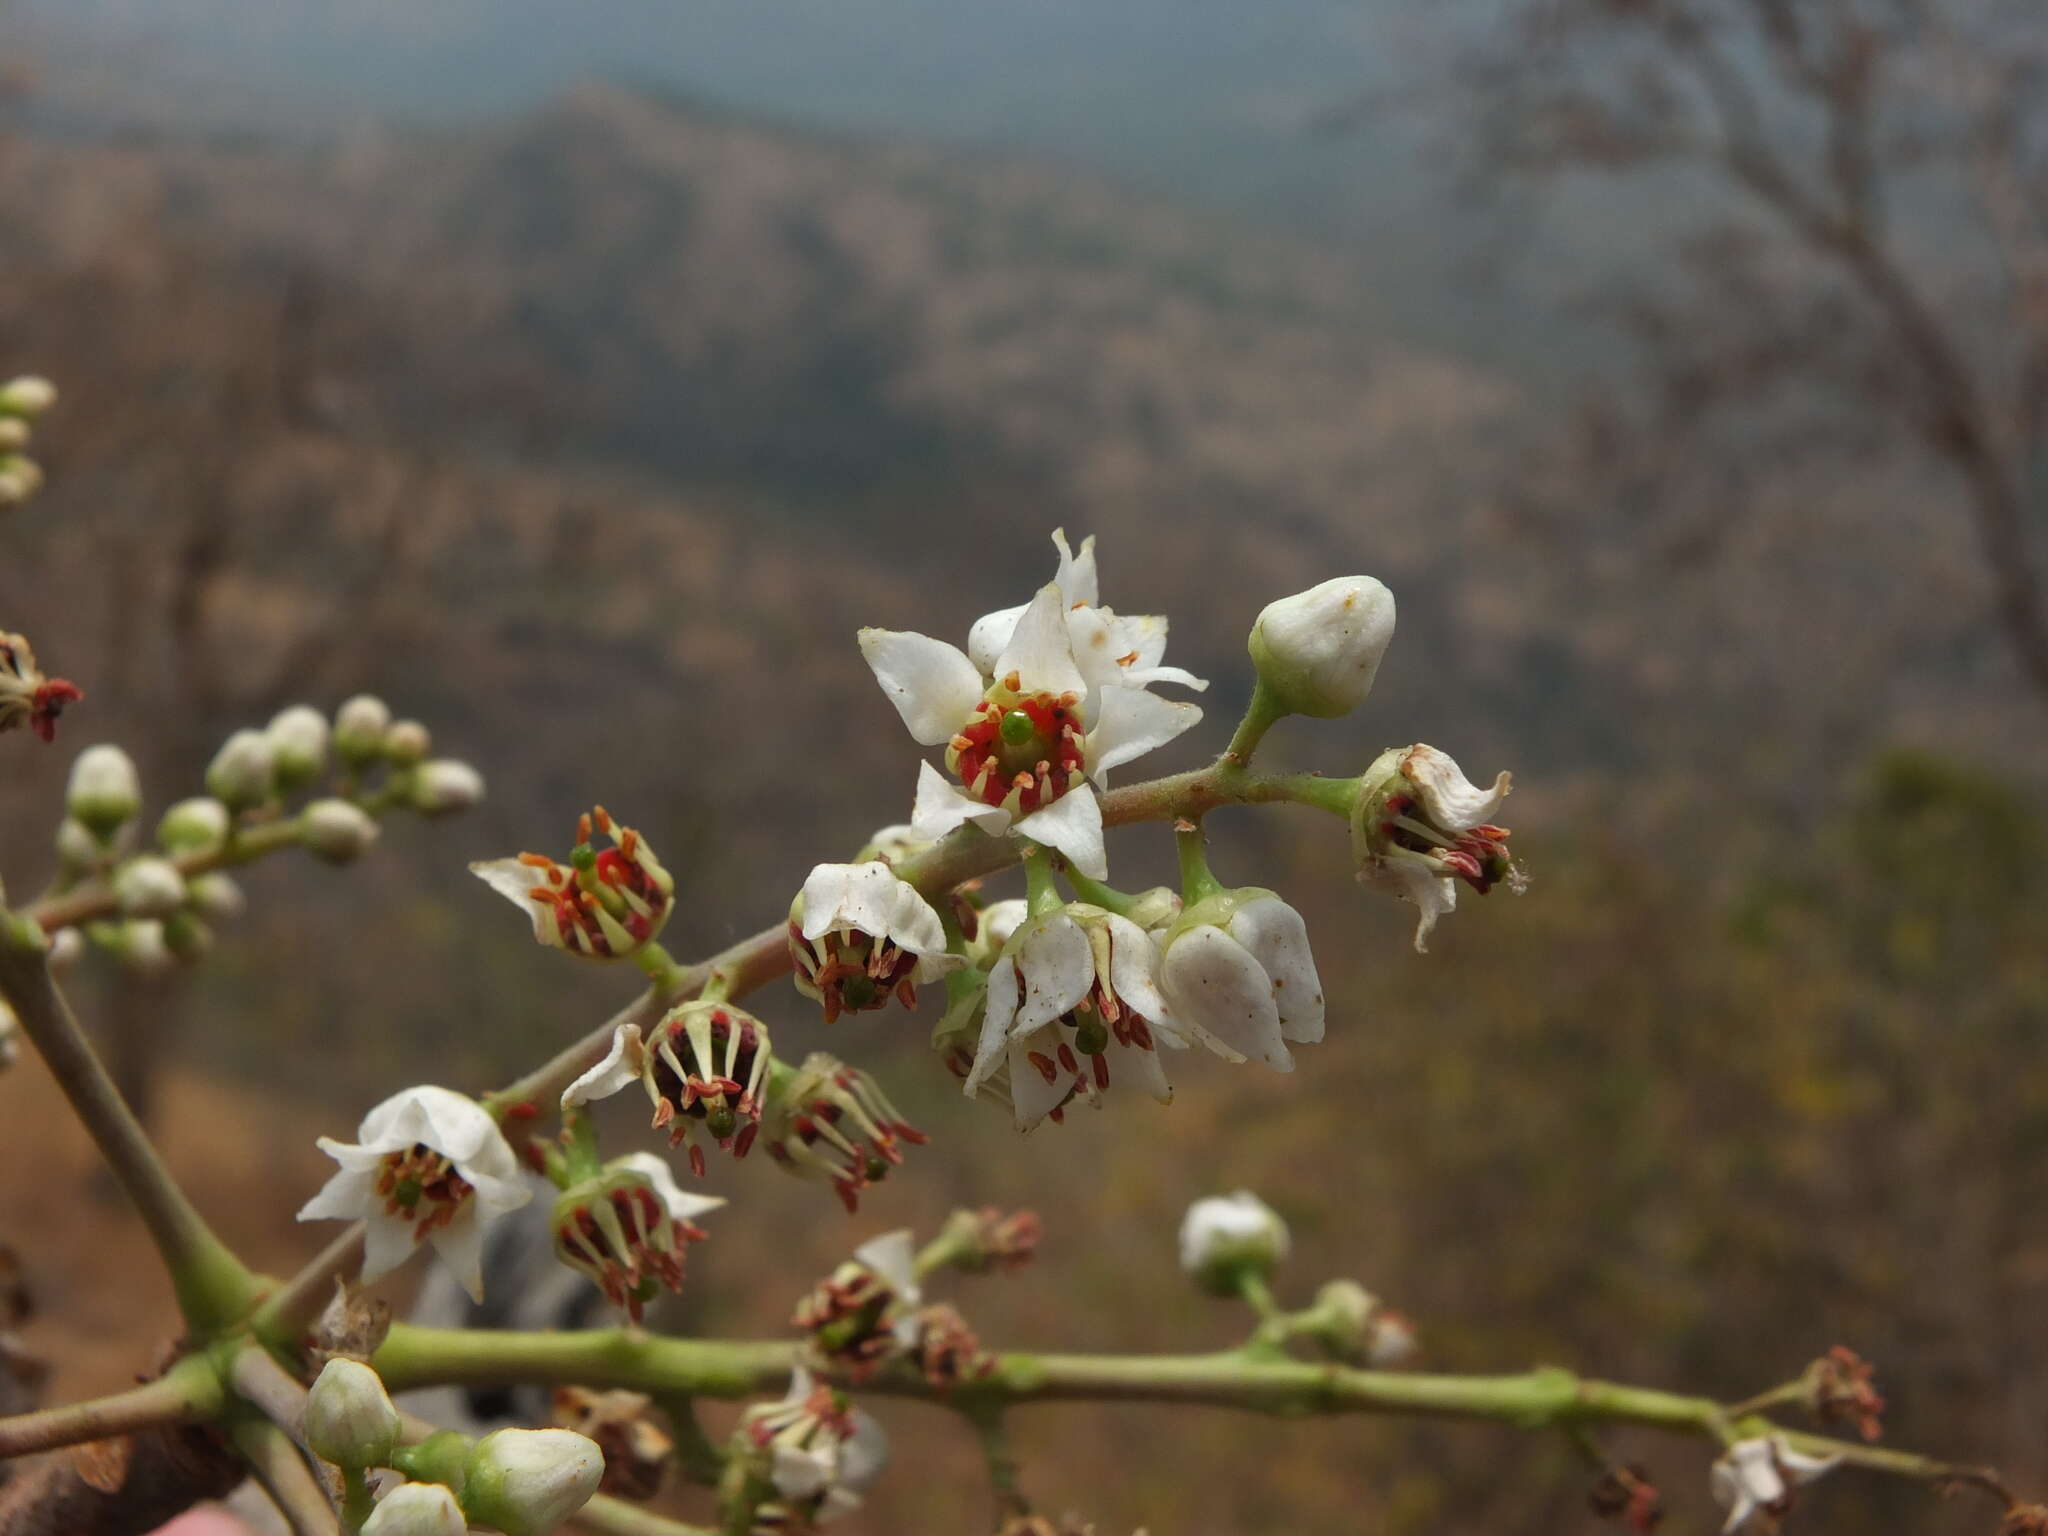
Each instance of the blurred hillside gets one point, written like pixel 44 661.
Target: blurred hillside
pixel 590 439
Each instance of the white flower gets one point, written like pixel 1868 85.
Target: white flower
pixel 626 1230
pixel 104 791
pixel 1237 968
pixel 417 1509
pixel 833 1122
pixel 893 1258
pixel 298 745
pixel 1224 1235
pixel 705 1063
pixel 427 1164
pixel 859 935
pixel 1024 746
pixel 1758 1476
pixel 1111 650
pixel 1419 825
pixel 1072 992
pixel 1318 651
pixel 526 1482
pixel 822 1452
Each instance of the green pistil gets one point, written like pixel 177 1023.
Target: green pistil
pixel 408 1193
pixel 1018 728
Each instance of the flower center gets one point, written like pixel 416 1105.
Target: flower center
pixel 421 1188
pixel 1020 750
pixel 1097 1021
pixel 1478 856
pixel 712 1085
pixel 854 972
pixel 624 1240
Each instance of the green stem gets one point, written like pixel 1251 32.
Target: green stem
pixel 1261 711
pixel 1777 1397
pixel 700 1461
pixel 1196 878
pixel 285 1477
pixel 1041 895
pixel 212 1287
pixel 1095 892
pixel 607 1516
pixel 661 968
pixel 186 1394
pixel 1003 1468
pixel 581 1158
pixel 357 1503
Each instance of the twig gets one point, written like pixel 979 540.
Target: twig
pixel 186 1394
pixel 286 1478
pixel 607 1516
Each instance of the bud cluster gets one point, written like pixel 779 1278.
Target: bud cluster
pixel 22 400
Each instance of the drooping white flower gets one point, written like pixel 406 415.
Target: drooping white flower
pixel 1237 968
pixel 427 1165
pixel 822 1452
pixel 859 935
pixel 1111 649
pixel 526 1482
pixel 1319 651
pixel 831 1121
pixel 705 1063
pixel 1023 746
pixel 1758 1477
pixel 1225 1235
pixel 628 1228
pixel 602 904
pixel 1419 826
pixel 1072 1004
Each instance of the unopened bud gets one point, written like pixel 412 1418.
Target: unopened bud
pixel 14 434
pixel 1227 1238
pixel 149 887
pixel 199 825
pixel 298 746
pixel 349 1417
pixel 407 742
pixel 337 830
pixel 187 936
pixel 20 478
pixel 139 946
pixel 359 727
pixel 445 786
pixel 1344 1311
pixel 77 848
pixel 525 1482
pixel 66 946
pixel 242 774
pixel 1318 651
pixel 28 395
pixel 417 1509
pixel 104 792
pixel 1391 1339
pixel 216 896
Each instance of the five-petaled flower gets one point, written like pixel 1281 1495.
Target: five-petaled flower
pixel 1757 1477
pixel 429 1165
pixel 860 935
pixel 627 1229
pixel 1024 744
pixel 1419 825
pixel 703 1064
pixel 26 696
pixel 604 903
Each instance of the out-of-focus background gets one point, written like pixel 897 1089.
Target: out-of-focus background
pixel 580 378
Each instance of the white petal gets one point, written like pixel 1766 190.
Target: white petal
pixel 1133 963
pixel 620 1066
pixel 460 1245
pixel 680 1203
pixel 1221 994
pixel 1040 652
pixel 387 1243
pixel 512 880
pixel 348 1195
pixel 1073 825
pixel 1055 967
pixel 1030 1094
pixel 1076 579
pixel 1798 1466
pixel 453 1124
pixel 864 1453
pixel 1133 1068
pixel 800 1474
pixel 1277 938
pixel 991 632
pixel 872 899
pixel 1413 880
pixel 1132 722
pixel 942 805
pixel 999 1009
pixel 1000 919
pixel 893 1256
pixel 1449 799
pixel 933 686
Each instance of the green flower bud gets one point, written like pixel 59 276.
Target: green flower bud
pixel 105 792
pixel 407 742
pixel 243 773
pixel 445 786
pixel 149 887
pixel 187 936
pixel 216 896
pixel 417 1509
pixel 199 825
pixel 298 746
pixel 359 727
pixel 349 1417
pixel 1228 1237
pixel 1318 651
pixel 338 831
pixel 20 478
pixel 525 1482
pixel 77 848
pixel 27 396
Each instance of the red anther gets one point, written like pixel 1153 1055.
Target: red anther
pixel 910 1134
pixel 1068 1059
pixel 1044 1064
pixel 745 1139
pixel 525 1109
pixel 583 828
pixel 48 703
pixel 696 1160
pixel 1102 1070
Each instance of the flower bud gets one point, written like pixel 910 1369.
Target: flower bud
pixel 525 1482
pixel 187 936
pixel 139 946
pixel 243 772
pixel 67 945
pixel 216 896
pixel 77 848
pixel 198 825
pixel 407 742
pixel 149 887
pixel 444 786
pixel 349 1417
pixel 28 395
pixel 337 830
pixel 298 746
pixel 1229 1237
pixel 417 1509
pixel 20 478
pixel 1318 651
pixel 359 727
pixel 105 792
pixel 14 434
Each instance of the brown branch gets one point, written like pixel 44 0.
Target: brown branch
pixel 121 1487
